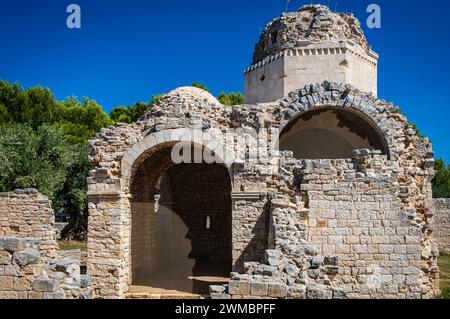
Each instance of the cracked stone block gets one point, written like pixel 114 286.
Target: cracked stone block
pixel 26 257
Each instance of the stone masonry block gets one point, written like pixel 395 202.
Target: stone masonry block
pixel 5 258
pixel 45 285
pixel 277 290
pixel 239 288
pixel 258 289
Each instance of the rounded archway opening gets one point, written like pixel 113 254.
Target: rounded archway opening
pixel 331 133
pixel 181 230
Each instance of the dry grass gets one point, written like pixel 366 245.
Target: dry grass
pixel 72 245
pixel 444 265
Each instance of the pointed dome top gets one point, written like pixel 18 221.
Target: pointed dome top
pixel 310 24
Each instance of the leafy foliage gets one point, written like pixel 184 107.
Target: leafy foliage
pixel 122 114
pixel 441 182
pixel 200 86
pixel 43 145
pixel 34 159
pixel 34 107
pixel 231 98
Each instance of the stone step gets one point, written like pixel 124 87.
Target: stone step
pixel 167 296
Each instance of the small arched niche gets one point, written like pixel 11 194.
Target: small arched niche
pixel 331 133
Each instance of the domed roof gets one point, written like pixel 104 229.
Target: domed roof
pixel 194 94
pixel 310 24
pixel 185 101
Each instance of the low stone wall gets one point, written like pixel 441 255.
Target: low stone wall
pixel 25 274
pixel 28 214
pixel 442 223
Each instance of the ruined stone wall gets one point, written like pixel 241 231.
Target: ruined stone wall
pixel 26 274
pixel 442 223
pixel 109 244
pixel 26 213
pixel 118 152
pixel 355 213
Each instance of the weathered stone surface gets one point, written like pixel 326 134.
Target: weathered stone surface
pixel 22 284
pixel 68 266
pixel 45 285
pixel 25 257
pixel 55 295
pixel 340 224
pixel 220 296
pixel 442 223
pixel 5 258
pixel 12 244
pixel 239 288
pixel 312 23
pixel 87 294
pixel 274 257
pixel 6 283
pixel 214 289
pixel 85 281
pixel 296 292
pixel 258 289
pixel 26 214
pixel 277 290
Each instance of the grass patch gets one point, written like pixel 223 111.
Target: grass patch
pixel 444 265
pixel 72 245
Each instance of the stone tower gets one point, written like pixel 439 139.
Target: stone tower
pixel 311 45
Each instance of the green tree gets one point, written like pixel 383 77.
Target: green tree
pixel 72 198
pixel 133 113
pixel 441 182
pixel 34 159
pixel 81 120
pixel 200 86
pixel 231 98
pixel 35 106
pixel 120 114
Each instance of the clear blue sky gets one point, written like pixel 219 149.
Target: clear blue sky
pixel 129 50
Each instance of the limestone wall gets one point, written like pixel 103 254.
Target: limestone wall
pixel 357 215
pixel 442 223
pixel 26 213
pixel 25 274
pixel 278 75
pixel 117 151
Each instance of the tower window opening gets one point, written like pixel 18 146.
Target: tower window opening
pixel 274 37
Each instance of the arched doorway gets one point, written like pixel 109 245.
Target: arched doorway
pixel 181 232
pixel 331 133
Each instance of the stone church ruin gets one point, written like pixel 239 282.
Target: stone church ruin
pixel 344 211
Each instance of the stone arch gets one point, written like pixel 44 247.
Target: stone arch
pixel 331 133
pixel 383 117
pixel 157 140
pixel 181 216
